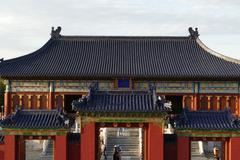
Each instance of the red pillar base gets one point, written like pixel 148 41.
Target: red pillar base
pixel 10 147
pixel 61 148
pixel 155 142
pixel 88 142
pixel 183 148
pixel 233 149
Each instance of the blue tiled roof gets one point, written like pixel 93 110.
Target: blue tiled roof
pixel 120 101
pixel 99 57
pixel 37 119
pixel 207 120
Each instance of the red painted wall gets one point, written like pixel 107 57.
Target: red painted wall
pixel 234 146
pixel 155 142
pixel 60 148
pixel 2 147
pixel 88 142
pixel 10 147
pixel 183 148
pixel 73 152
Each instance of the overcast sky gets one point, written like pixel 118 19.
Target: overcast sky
pixel 25 25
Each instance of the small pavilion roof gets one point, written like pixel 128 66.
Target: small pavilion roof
pixel 120 102
pixel 107 57
pixel 207 120
pixel 37 119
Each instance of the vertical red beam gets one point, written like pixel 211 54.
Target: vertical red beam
pixel 51 95
pixel 145 142
pixel 155 142
pixel 226 153
pixel 194 102
pixel 21 148
pixel 10 147
pixel 183 148
pixel 233 149
pixel 60 147
pixel 238 105
pixel 88 142
pixel 51 100
pixel 7 103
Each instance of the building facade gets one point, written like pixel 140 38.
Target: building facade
pixel 94 82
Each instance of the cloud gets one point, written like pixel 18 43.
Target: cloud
pixel 28 26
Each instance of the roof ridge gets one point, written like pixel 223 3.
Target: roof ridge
pixel 108 37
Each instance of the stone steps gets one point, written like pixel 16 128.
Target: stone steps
pixel 127 139
pixel 48 154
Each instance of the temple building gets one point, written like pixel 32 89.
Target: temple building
pixel 143 98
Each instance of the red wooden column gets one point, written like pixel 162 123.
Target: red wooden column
pixel 51 100
pixel 183 148
pixel 7 103
pixel 51 95
pixel 145 142
pixel 226 149
pixel 61 148
pixel 7 98
pixel 233 149
pixel 194 102
pixel 10 147
pixel 88 142
pixel 21 148
pixel 238 105
pixel 155 142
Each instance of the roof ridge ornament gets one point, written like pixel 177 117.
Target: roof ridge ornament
pixel 193 33
pixel 56 33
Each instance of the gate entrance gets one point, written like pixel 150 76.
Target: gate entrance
pixel 204 150
pixel 39 149
pixel 128 140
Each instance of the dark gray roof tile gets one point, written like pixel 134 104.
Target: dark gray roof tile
pixel 74 57
pixel 207 120
pixel 37 119
pixel 119 102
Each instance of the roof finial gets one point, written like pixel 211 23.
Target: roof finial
pixel 193 34
pixel 56 33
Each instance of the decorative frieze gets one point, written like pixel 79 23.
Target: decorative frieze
pixel 29 86
pixel 190 87
pixel 56 86
pixel 81 86
pixel 219 87
pixel 166 87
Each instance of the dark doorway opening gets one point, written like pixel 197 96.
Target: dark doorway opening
pixel 176 103
pixel 170 146
pixel 68 102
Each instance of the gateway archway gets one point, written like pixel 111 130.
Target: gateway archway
pixel 128 137
pixel 121 109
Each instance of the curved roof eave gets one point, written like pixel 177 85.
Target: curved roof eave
pixel 207 49
pixel 29 54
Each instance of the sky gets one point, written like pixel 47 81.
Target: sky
pixel 25 25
